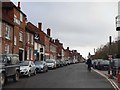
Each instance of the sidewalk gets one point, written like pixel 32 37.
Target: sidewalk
pixel 114 80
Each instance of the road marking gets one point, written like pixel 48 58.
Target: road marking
pixel 110 80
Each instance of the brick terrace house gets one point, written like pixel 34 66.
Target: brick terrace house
pixel 60 53
pixel 38 45
pixel 6 35
pixel 45 38
pixel 53 49
pixel 29 42
pixel 16 16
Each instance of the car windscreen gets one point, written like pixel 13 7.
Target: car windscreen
pixel 24 63
pixel 38 62
pixel 105 62
pixel 49 61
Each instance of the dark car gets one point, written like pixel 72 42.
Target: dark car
pixel 9 67
pixel 103 65
pixel 116 65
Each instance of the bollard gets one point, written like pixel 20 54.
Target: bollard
pixel 110 74
pixel 118 76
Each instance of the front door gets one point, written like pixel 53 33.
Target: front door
pixel 20 55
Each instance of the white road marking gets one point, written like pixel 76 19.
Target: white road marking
pixel 110 80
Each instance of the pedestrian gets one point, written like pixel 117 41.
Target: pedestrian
pixel 89 63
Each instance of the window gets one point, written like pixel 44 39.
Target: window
pixel 32 39
pixel 28 53
pixel 21 17
pixel 17 21
pixel 7 33
pixel 0 28
pixel 21 36
pixel 28 36
pixel 7 48
pixel 15 41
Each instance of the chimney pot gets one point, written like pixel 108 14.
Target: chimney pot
pixel 40 26
pixel 48 31
pixel 19 5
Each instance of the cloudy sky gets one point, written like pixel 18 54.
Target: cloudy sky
pixel 79 25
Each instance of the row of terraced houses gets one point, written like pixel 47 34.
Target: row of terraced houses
pixel 30 42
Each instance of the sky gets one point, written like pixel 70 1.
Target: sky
pixel 82 26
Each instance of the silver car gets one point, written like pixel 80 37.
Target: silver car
pixel 51 63
pixel 41 66
pixel 27 67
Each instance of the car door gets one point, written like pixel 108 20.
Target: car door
pixel 33 67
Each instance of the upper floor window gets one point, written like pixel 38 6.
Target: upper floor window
pixel 7 33
pixel 7 47
pixel 21 17
pixel 16 20
pixel 15 40
pixel 32 39
pixel 21 36
pixel 0 28
pixel 28 37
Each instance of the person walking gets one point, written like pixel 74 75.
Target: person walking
pixel 89 63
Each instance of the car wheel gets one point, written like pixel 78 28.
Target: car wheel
pixel 16 76
pixel 29 74
pixel 35 72
pixel 3 79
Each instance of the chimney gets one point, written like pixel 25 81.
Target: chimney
pixel 67 48
pixel 48 31
pixel 19 5
pixel 40 26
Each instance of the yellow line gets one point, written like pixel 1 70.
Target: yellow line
pixel 111 81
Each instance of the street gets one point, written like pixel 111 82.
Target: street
pixel 72 76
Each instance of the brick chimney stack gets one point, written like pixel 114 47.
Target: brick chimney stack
pixel 40 26
pixel 48 31
pixel 19 5
pixel 67 48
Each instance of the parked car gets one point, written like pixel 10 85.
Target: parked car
pixel 41 66
pixel 103 65
pixel 51 63
pixel 116 65
pixel 61 63
pixel 64 62
pixel 57 63
pixel 27 67
pixel 9 67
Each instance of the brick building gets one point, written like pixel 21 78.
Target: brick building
pixel 60 50
pixel 53 49
pixel 34 44
pixel 16 16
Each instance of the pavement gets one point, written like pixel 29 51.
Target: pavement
pixel 113 80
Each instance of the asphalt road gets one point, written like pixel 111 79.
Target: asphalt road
pixel 72 76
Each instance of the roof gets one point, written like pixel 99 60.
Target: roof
pixel 11 5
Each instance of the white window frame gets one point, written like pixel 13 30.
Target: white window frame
pixel 17 21
pixel 21 17
pixel 7 31
pixel 32 39
pixel 7 48
pixel 15 40
pixel 28 53
pixel 21 36
pixel 0 28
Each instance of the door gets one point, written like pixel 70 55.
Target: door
pixel 20 55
